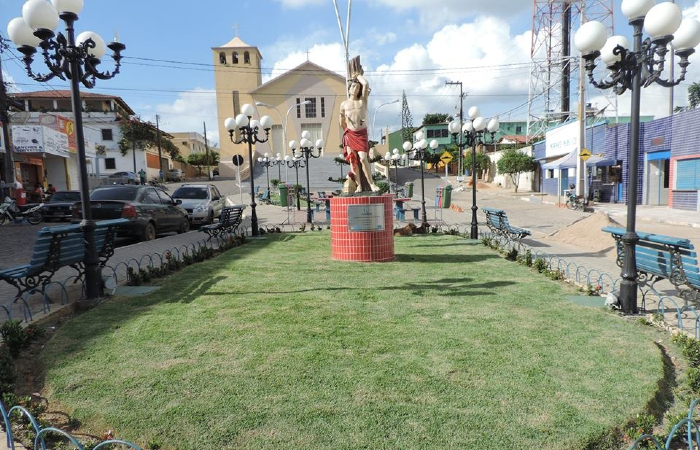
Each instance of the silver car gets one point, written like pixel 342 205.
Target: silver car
pixel 203 202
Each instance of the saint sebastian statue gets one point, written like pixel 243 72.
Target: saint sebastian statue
pixel 353 120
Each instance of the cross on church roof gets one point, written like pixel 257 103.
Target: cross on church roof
pixel 235 27
pixel 307 54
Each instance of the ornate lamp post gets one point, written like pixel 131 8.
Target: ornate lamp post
pixel 295 163
pixel 249 135
pixel 284 125
pixel 631 70
pixel 76 59
pixel 473 132
pixel 339 162
pixel 396 160
pixel 278 162
pixel 266 162
pixel 419 150
pixel 307 151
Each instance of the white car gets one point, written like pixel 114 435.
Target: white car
pixel 203 202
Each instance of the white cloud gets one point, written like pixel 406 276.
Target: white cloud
pixel 328 56
pixel 188 113
pixel 436 13
pixel 378 38
pixel 296 4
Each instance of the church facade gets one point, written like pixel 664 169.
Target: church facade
pixel 238 80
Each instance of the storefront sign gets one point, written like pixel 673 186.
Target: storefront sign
pixel 39 139
pixel 27 139
pixel 366 217
pixel 62 125
pixel 562 140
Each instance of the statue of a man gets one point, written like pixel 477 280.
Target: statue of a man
pixel 353 120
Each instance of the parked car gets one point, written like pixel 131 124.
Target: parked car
pixel 215 172
pixel 124 178
pixel 150 210
pixel 203 202
pixel 174 175
pixel 60 205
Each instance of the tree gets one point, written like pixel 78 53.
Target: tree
pixel 694 95
pixel 406 121
pixel 483 163
pixel 513 163
pixel 200 160
pixel 432 119
pixel 145 136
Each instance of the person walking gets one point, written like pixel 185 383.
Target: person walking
pixel 142 176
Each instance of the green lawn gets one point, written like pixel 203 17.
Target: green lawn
pixel 275 346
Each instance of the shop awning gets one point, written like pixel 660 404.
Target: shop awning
pixel 569 161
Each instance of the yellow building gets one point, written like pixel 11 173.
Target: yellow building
pixel 238 79
pixel 189 143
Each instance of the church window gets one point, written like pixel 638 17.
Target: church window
pixel 234 58
pixel 222 58
pixel 311 107
pixel 323 107
pixel 298 108
pixel 246 57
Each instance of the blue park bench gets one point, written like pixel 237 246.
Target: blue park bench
pixel 229 221
pixel 58 247
pixel 662 257
pixel 497 221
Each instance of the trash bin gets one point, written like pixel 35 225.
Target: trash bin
pixel 409 189
pixel 284 194
pixel 438 197
pixel 447 196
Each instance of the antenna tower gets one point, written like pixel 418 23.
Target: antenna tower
pixel 553 71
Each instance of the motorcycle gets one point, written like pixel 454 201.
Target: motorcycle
pixel 573 201
pixel 9 211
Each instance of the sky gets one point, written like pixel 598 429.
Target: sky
pixel 414 46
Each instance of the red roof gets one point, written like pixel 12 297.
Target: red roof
pixel 54 94
pixel 518 139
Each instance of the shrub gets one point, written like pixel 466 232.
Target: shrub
pixel 7 371
pixel 512 255
pixel 540 265
pixel 17 338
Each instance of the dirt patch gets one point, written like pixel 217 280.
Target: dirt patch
pixel 586 234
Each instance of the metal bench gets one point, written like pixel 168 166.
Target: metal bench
pixel 230 220
pixel 58 247
pixel 662 257
pixel 497 221
pixel 54 248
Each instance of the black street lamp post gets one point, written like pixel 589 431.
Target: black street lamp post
pixel 419 150
pixel 249 129
pixel 278 162
pixel 266 162
pixel 396 160
pixel 473 132
pixel 307 151
pixel 340 161
pixel 295 163
pixel 76 59
pixel 631 70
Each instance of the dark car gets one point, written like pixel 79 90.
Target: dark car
pixel 60 205
pixel 151 210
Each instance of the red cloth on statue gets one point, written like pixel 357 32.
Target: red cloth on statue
pixel 354 141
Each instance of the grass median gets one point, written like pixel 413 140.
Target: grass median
pixel 274 346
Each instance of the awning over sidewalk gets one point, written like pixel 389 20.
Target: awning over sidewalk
pixel 569 161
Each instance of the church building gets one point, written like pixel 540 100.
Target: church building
pixel 238 79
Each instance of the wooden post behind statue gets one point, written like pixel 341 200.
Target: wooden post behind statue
pixel 353 120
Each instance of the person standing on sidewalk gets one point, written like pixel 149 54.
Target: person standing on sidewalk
pixel 142 176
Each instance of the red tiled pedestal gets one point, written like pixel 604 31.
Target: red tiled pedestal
pixel 364 246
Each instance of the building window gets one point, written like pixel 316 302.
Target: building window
pixel 430 133
pixel 519 129
pixel 444 133
pixel 316 131
pixel 310 108
pixel 107 134
pixel 688 174
pixel 550 173
pixel 298 108
pixel 246 57
pixel 110 164
pixel 323 107
pixel 667 173
pixel 234 58
pixel 222 58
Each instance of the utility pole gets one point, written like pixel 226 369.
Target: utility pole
pixel 5 103
pixel 461 119
pixel 206 146
pixel 160 155
pixel 581 164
